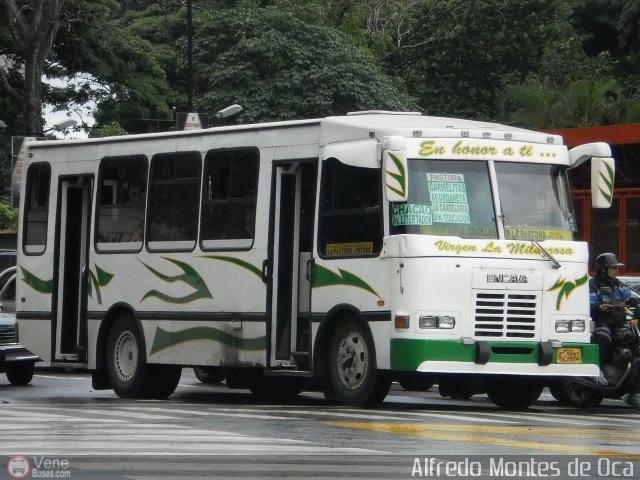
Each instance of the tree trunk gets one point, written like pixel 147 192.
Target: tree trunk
pixel 34 25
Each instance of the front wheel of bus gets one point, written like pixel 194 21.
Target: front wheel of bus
pixel 352 374
pixel 126 365
pixel 513 392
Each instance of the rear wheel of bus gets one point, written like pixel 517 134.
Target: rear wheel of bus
pixel 513 392
pixel 352 374
pixel 127 370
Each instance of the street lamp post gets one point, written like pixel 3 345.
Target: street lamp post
pixel 61 126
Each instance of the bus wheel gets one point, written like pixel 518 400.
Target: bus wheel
pixel 415 382
pixel 210 374
pixel 126 365
pixel 20 374
pixel 457 387
pixel 352 375
pixel 161 381
pixel 513 392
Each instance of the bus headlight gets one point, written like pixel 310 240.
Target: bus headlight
pixel 446 322
pixel 569 326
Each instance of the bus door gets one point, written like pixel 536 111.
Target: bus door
pixel 72 251
pixel 290 248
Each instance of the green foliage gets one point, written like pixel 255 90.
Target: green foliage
pixel 109 130
pixel 534 62
pixel 467 52
pixel 280 67
pixel 129 48
pixel 8 215
pixel 541 105
pixel 5 165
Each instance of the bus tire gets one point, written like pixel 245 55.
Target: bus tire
pixel 352 375
pixel 161 381
pixel 20 374
pixel 126 362
pixel 210 374
pixel 456 387
pixel 513 392
pixel 415 382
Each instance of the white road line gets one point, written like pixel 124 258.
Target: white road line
pixel 63 378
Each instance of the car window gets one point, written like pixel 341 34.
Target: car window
pixel 8 294
pixel 5 276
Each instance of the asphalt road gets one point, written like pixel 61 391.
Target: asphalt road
pixel 210 431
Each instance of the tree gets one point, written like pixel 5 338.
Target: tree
pixel 33 25
pixel 280 67
pixel 540 105
pixel 128 51
pixel 470 51
pixel 578 104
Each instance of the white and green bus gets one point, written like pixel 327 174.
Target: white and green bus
pixel 338 253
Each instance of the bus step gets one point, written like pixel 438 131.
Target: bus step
pixel 301 359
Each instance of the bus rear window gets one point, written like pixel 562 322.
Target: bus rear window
pixel 36 207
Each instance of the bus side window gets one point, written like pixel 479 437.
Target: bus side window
pixel 120 211
pixel 351 211
pixel 36 208
pixel 229 200
pixel 174 197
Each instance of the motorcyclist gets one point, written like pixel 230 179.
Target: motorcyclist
pixel 607 313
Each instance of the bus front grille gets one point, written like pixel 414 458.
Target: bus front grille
pixel 501 314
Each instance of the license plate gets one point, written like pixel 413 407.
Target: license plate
pixel 569 355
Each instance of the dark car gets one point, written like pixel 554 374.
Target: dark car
pixel 7 259
pixel 15 360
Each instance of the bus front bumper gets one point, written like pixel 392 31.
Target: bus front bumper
pixel 486 357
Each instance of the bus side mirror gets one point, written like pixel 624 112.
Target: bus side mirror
pixel 395 172
pixel 603 172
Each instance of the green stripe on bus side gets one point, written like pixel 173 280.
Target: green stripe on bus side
pixel 323 277
pixel 236 261
pixel 164 339
pixel 408 354
pixel 39 285
pixel 189 276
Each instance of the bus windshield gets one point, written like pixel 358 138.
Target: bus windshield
pixel 447 197
pixel 535 202
pixel 454 198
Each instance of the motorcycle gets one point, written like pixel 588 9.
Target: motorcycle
pixel 622 372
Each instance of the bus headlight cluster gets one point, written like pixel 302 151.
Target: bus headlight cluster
pixel 569 326
pixel 446 322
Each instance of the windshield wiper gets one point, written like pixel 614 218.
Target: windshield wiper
pixel 554 263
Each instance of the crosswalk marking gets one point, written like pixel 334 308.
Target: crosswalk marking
pixel 171 411
pixel 150 428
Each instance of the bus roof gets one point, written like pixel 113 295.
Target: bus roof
pixel 353 126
